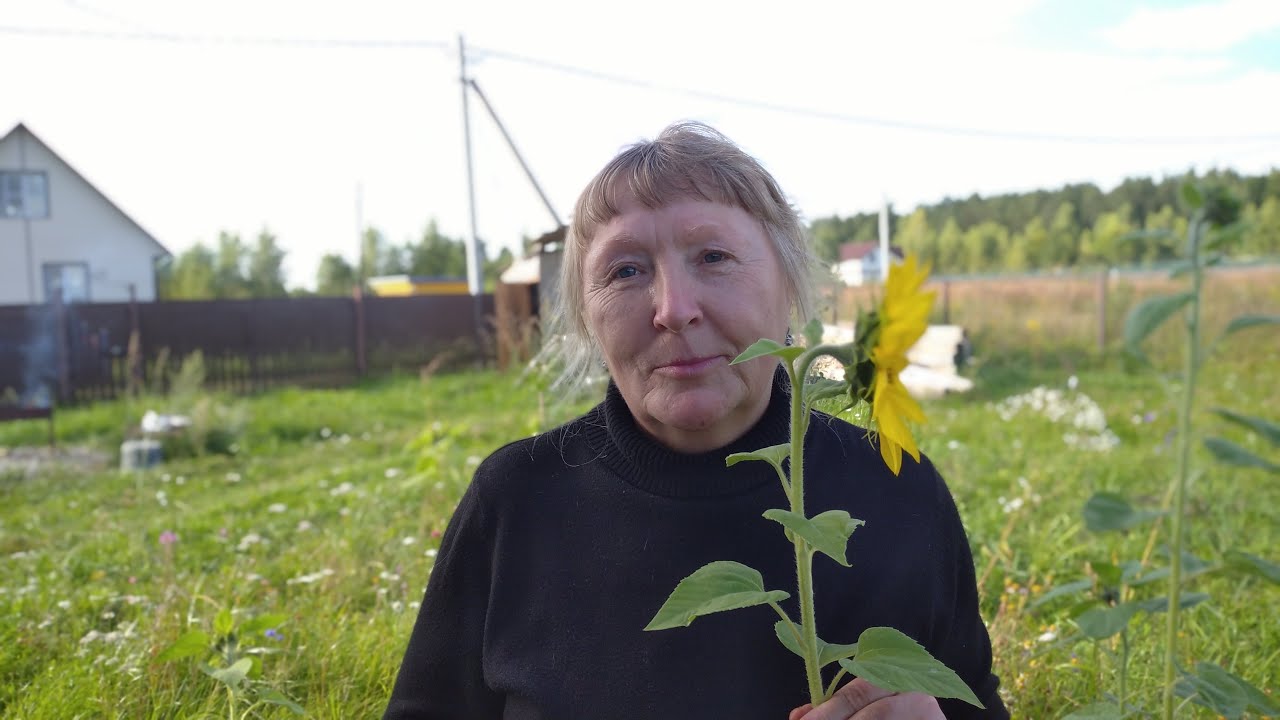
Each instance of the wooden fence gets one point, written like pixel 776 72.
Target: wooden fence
pixel 75 353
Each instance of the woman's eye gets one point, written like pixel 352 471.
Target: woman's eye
pixel 713 257
pixel 625 272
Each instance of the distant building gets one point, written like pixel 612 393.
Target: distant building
pixel 860 262
pixel 60 235
pixel 405 285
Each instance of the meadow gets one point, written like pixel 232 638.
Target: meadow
pixel 324 508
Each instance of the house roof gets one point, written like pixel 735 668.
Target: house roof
pixel 554 236
pixel 20 127
pixel 859 250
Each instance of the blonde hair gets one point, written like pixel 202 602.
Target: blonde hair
pixel 686 160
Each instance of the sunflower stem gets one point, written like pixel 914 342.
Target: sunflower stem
pixel 804 554
pixel 1192 367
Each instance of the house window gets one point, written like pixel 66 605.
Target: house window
pixel 24 194
pixel 70 279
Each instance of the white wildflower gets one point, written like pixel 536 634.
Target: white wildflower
pixel 408 541
pixel 233 477
pixel 277 508
pixel 325 433
pixel 249 541
pixel 391 473
pixel 431 552
pixel 64 604
pixel 310 578
pixel 162 498
pixel 342 489
pixel 304 525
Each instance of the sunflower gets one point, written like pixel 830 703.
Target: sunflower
pixel 903 317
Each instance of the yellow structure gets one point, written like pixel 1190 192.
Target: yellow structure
pixel 405 285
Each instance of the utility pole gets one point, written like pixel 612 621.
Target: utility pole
pixel 884 240
pixel 360 278
pixel 546 202
pixel 473 259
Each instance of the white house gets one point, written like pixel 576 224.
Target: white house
pixel 60 233
pixel 860 262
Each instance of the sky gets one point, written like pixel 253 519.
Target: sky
pixel 312 118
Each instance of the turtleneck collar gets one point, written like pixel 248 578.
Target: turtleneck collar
pixel 650 466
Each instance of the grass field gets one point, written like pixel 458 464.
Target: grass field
pixel 331 507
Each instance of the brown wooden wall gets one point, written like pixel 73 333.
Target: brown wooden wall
pixel 81 352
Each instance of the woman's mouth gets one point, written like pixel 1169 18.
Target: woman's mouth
pixel 690 367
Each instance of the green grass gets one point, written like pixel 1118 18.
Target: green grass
pixel 360 482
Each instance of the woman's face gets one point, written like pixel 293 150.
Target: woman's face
pixel 672 295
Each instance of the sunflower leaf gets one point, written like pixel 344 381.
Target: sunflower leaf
pixel 813 332
pixel 774 455
pixel 1232 454
pixel 765 346
pixel 1224 693
pixel 1254 565
pixel 826 532
pixel 891 660
pixel 1268 430
pixel 715 587
pixel 1109 511
pixel 827 652
pixel 823 388
pixel 1244 322
pixel 1149 315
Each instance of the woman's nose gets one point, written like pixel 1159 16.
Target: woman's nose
pixel 675 300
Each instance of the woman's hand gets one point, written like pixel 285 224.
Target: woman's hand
pixel 860 700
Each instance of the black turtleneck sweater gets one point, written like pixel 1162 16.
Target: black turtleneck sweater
pixel 566 544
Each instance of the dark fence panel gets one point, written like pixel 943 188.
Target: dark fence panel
pixel 79 353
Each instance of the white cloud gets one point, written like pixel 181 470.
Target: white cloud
pixel 1208 27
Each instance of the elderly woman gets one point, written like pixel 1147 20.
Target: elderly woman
pixel 682 253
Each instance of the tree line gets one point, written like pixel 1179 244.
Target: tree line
pixel 1076 225
pixel 233 269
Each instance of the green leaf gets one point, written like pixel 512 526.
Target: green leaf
pixel 1244 322
pixel 275 697
pixel 1103 622
pixel 231 676
pixel 1268 430
pixel 1192 196
pixel 1232 454
pixel 1110 511
pixel 774 455
pixel 223 624
pixel 1096 711
pixel 1185 266
pixel 827 652
pixel 813 333
pixel 1109 574
pixel 1254 565
pixel 765 346
pixel 892 661
pixel 1226 235
pixel 190 644
pixel 1161 604
pixel 827 532
pixel 715 587
pixel 1224 693
pixel 1057 592
pixel 822 388
pixel 1149 315
pixel 263 623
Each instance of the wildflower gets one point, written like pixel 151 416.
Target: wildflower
pixel 304 525
pixel 342 489
pixel 408 541
pixel 273 634
pixel 432 552
pixel 277 508
pixel 168 537
pixel 64 604
pixel 325 433
pixel 903 317
pixel 391 473
pixel 162 498
pixel 233 477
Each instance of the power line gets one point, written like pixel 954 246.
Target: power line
pixel 242 40
pixel 502 55
pixel 865 120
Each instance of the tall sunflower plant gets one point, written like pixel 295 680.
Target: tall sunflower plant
pixel 873 362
